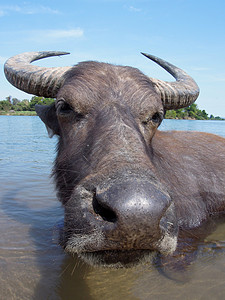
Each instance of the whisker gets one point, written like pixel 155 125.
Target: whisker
pixel 75 265
pixel 190 233
pixel 64 270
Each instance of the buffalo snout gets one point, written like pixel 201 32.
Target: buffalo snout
pixel 124 214
pixel 133 212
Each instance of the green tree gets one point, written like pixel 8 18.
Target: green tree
pixel 41 101
pixel 204 114
pixel 190 112
pixel 5 105
pixel 171 114
pixel 35 100
pixel 15 101
pixel 9 98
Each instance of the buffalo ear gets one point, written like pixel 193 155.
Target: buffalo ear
pixel 47 114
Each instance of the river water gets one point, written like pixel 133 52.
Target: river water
pixel 33 266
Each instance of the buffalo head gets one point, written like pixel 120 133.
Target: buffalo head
pixel 117 210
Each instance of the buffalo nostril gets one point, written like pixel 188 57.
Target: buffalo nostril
pixel 103 210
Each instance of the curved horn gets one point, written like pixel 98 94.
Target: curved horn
pixel 32 79
pixel 181 93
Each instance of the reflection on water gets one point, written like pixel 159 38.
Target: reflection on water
pixel 32 264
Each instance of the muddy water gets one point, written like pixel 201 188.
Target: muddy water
pixel 33 266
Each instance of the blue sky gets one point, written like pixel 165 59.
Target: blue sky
pixel 187 33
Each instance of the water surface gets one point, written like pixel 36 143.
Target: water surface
pixel 32 264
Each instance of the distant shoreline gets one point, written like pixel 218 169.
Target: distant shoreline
pixel 14 107
pixel 34 114
pixel 18 113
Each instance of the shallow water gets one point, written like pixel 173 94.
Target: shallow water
pixel 32 264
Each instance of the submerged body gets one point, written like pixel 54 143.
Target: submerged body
pixel 128 189
pixel 192 166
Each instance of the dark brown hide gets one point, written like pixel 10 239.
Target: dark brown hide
pixel 192 167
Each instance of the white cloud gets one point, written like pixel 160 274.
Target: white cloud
pixel 39 10
pixel 59 34
pixel 26 10
pixel 42 36
pixel 53 35
pixel 134 9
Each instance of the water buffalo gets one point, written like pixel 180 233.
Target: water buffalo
pixel 127 188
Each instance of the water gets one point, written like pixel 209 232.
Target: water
pixel 33 266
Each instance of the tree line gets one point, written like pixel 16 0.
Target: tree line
pixel 191 112
pixel 13 106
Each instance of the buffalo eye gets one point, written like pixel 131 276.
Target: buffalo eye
pixel 156 119
pixel 65 110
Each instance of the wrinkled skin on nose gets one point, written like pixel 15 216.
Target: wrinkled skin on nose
pixel 132 211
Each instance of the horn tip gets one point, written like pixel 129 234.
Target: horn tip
pixel 64 53
pixel 58 53
pixel 145 54
pixel 44 54
pixel 148 55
